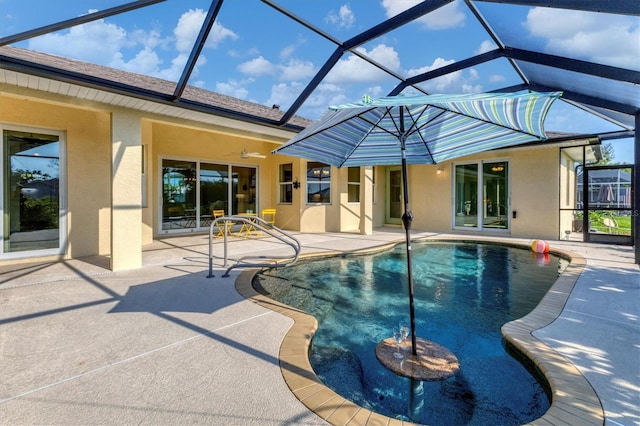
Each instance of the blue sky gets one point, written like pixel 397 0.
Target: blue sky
pixel 256 54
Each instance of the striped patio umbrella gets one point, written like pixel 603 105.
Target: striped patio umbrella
pixel 420 129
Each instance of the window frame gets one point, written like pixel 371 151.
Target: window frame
pixel 353 187
pixel 479 205
pixel 320 171
pixel 62 194
pixel 285 186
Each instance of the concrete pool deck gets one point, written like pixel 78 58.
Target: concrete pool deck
pixel 164 344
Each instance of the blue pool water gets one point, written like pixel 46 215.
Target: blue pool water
pixel 463 294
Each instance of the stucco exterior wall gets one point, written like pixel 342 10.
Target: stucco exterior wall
pixel 192 144
pixel 534 176
pixel 147 182
pixel 126 190
pixel 88 165
pixel 534 193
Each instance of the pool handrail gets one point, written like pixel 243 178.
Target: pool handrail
pixel 261 225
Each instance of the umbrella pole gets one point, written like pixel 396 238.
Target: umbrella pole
pixel 407 218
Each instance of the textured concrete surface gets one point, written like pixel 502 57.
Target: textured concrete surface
pixel 164 344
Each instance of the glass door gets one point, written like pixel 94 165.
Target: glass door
pixel 494 201
pixel 609 204
pixel 178 195
pixel 481 195
pixel 244 189
pixel 192 190
pixel 214 191
pixel 466 196
pixel 394 203
pixel 31 204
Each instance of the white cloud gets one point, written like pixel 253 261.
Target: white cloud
pixel 106 43
pixel 146 61
pixel 326 94
pixel 437 63
pixel 284 94
pixel 355 69
pixel 236 88
pixel 448 16
pixel 497 78
pixel 218 34
pixel 288 50
pixel 374 92
pixel 485 46
pixel 607 39
pixel 97 42
pixel 343 19
pixel 296 70
pixel 458 81
pixel 256 67
pixel 188 27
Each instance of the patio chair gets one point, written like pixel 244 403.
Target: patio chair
pixel 216 214
pixel 269 216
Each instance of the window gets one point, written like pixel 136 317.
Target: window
pixel 482 195
pixel 178 194
pixel 286 183
pixel 244 189
pixel 318 183
pixel 353 184
pixel 191 190
pixel 32 215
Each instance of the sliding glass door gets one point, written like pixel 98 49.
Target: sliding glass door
pixel 31 206
pixel 191 190
pixel 481 195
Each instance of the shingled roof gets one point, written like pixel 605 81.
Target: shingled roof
pixel 149 88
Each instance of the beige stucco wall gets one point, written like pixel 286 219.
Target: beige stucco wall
pixel 90 139
pixel 189 143
pixel 126 190
pixel 88 165
pixel 534 192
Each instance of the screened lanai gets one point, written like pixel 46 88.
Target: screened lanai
pixel 296 58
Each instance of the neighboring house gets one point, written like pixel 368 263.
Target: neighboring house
pixel 97 172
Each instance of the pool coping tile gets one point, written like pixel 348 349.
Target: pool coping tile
pixel 573 399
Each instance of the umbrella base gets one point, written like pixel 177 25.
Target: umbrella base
pixel 432 362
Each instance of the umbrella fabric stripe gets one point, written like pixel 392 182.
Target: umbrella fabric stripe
pixel 470 124
pixel 513 113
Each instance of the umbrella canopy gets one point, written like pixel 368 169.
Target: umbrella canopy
pixel 420 129
pixel 436 128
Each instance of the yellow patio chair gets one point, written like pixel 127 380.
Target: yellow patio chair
pixel 216 214
pixel 269 216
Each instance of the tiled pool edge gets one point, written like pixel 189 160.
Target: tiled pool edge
pixel 573 399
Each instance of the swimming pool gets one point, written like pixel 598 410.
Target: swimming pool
pixel 463 294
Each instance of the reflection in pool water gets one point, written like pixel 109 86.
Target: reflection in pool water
pixel 463 294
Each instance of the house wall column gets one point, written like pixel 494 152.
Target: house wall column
pixel 366 200
pixel 126 191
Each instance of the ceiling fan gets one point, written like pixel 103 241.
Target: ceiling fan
pixel 246 154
